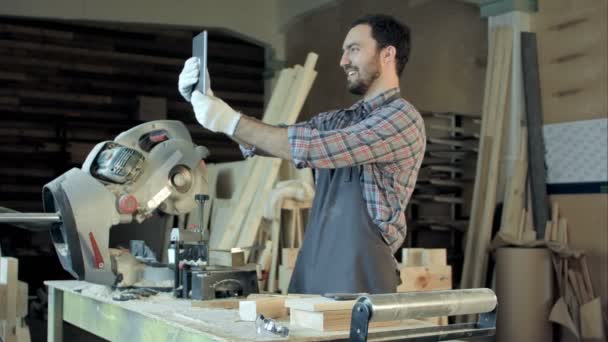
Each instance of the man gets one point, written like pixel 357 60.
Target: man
pixel 366 158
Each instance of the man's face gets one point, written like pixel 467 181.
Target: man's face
pixel 360 59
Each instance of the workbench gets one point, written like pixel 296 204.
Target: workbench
pixel 160 318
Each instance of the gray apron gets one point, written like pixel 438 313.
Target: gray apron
pixel 342 250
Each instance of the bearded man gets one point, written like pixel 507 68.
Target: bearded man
pixel 366 160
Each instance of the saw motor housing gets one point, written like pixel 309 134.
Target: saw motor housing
pixel 152 167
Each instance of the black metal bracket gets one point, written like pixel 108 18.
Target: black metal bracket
pixel 362 315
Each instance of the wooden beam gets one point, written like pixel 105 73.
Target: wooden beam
pixel 484 193
pixel 536 146
pixel 289 257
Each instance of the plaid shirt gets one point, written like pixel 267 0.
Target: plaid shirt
pixel 386 136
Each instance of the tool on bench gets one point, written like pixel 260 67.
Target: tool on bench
pixel 265 325
pixel 194 277
pixel 136 293
pixel 151 168
pixel 412 305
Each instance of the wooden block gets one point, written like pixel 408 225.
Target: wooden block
pixel 435 256
pixel 151 108
pixel 412 256
pixel 289 257
pixel 284 278
pixel 231 258
pixel 423 256
pixel 425 278
pixel 270 307
pixel 333 320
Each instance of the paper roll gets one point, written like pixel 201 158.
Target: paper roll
pixel 524 287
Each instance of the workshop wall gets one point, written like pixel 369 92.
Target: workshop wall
pixel 446 68
pixel 257 22
pixel 573 62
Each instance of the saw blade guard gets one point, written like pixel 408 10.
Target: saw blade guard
pixel 152 167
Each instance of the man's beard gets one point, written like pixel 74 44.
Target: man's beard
pixel 361 85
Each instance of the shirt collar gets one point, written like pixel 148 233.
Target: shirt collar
pixel 376 101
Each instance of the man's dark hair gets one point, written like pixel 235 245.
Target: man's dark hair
pixel 387 31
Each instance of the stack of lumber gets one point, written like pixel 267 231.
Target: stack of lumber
pixel 486 182
pixel 13 303
pixel 425 269
pixel 68 86
pixel 240 190
pixel 517 226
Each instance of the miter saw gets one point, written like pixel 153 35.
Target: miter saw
pixel 152 167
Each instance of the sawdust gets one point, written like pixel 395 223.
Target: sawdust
pixel 155 284
pixel 95 290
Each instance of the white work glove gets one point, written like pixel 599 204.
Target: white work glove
pixel 214 114
pixel 189 77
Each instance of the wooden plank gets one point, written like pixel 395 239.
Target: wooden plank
pixel 319 304
pixel 270 307
pixel 301 87
pixel 284 278
pixel 536 145
pixel 484 193
pixel 335 320
pixel 225 234
pixel 9 278
pixel 485 227
pixel 423 256
pixel 289 257
pixel 425 278
pixel 515 192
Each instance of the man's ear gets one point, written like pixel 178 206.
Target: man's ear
pixel 389 53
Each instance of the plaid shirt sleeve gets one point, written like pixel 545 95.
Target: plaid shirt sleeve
pixel 390 133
